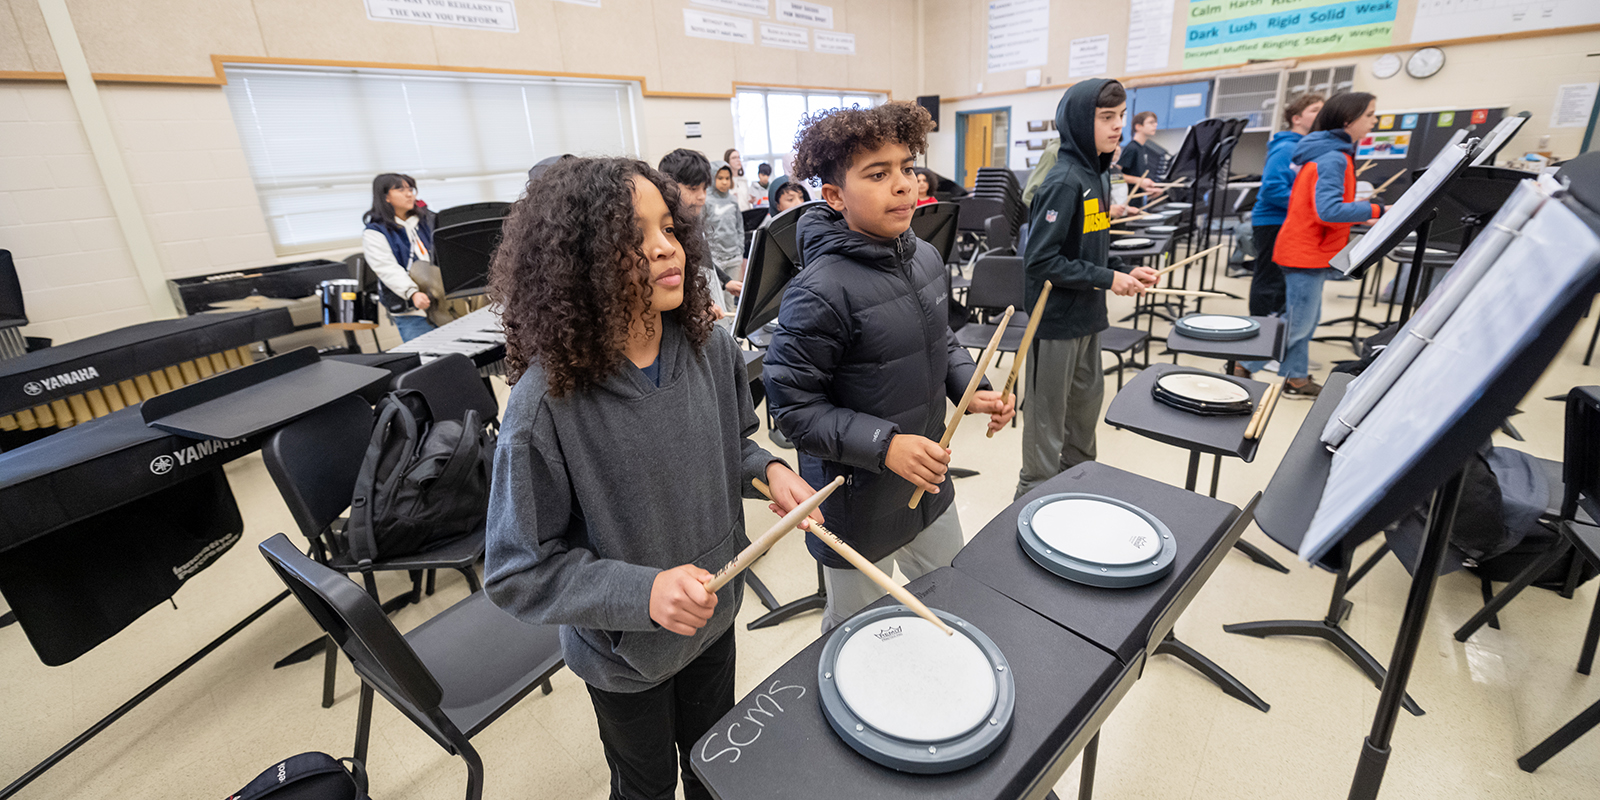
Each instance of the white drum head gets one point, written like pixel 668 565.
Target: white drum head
pixel 1095 531
pixel 908 679
pixel 1218 322
pixel 1131 242
pixel 1203 388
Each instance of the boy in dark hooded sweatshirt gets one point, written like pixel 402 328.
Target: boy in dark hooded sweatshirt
pixel 863 359
pixel 1069 245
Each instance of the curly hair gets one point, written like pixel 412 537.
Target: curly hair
pixel 571 267
pixel 828 140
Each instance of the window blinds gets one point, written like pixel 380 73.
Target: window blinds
pixel 767 121
pixel 316 137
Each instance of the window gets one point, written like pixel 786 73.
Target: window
pixel 316 137
pixel 767 121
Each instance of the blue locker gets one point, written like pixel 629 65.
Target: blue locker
pixel 1147 98
pixel 1195 101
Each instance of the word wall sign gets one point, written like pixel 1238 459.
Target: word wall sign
pixel 483 15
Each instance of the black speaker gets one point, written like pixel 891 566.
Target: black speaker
pixel 931 102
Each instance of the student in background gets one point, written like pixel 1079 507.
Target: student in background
pixel 863 362
pixel 692 172
pixel 622 386
pixel 757 196
pixel 785 194
pixel 1272 203
pixel 724 225
pixel 399 236
pixel 1322 208
pixel 925 184
pixel 1069 245
pixel 741 184
pixel 1142 159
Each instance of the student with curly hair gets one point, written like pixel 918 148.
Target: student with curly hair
pixel 863 359
pixel 622 458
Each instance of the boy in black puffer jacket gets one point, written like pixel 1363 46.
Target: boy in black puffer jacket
pixel 863 358
pixel 1069 245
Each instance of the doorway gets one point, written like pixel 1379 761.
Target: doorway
pixel 984 141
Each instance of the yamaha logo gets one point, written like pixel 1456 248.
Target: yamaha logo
pixel 161 465
pixel 888 633
pixel 32 389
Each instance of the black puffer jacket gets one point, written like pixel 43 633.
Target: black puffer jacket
pixel 863 351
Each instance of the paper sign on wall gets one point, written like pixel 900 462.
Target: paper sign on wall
pixel 1446 119
pixel 589 3
pixel 1574 101
pixel 1408 121
pixel 691 130
pixel 756 7
pixel 1019 34
pixel 705 25
pixel 483 15
pixel 1149 34
pixel 785 37
pixel 1190 100
pixel 1384 145
pixel 1089 56
pixel 839 44
pixel 799 13
pixel 1234 31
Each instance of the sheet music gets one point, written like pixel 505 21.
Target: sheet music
pixel 1442 166
pixel 1497 138
pixel 1554 255
pixel 1367 390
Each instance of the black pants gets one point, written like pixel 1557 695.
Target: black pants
pixel 1267 295
pixel 649 735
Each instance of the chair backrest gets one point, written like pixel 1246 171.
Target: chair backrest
pixel 1580 461
pixel 997 282
pixel 452 386
pixel 365 278
pixel 11 307
pixel 377 651
pixel 998 233
pixel 976 211
pixel 471 212
pixel 314 461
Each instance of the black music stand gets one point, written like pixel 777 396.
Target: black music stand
pixel 462 253
pixel 1457 417
pixel 1498 137
pixel 935 224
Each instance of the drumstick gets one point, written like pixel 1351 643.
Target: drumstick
pixel 771 537
pixel 972 389
pixel 1199 255
pixel 1125 233
pixel 870 570
pixel 1385 185
pixel 1185 292
pixel 1253 428
pixel 1271 409
pixel 1365 165
pixel 1027 339
pixel 1133 218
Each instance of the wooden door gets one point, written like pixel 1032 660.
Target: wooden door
pixel 977 150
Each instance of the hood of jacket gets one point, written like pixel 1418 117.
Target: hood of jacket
pixel 1284 139
pixel 1075 121
pixel 711 189
pixel 823 232
pixel 1318 144
pixel 776 186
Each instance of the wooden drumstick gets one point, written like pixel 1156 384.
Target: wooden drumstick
pixel 1272 406
pixel 871 570
pixel 972 389
pixel 1385 184
pixel 1134 218
pixel 1365 165
pixel 1185 292
pixel 1195 257
pixel 771 537
pixel 1027 340
pixel 1254 425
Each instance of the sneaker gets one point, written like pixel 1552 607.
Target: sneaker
pixel 1240 372
pixel 1306 391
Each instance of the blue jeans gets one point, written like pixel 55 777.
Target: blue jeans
pixel 412 327
pixel 1303 288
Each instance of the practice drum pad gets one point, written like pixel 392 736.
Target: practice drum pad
pixel 1202 393
pixel 1217 327
pixel 1130 243
pixel 909 696
pixel 1096 540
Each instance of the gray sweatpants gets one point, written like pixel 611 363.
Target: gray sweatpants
pixel 1063 392
pixel 850 591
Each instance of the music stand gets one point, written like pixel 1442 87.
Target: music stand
pixel 1450 398
pixel 462 253
pixel 774 261
pixel 935 224
pixel 1497 138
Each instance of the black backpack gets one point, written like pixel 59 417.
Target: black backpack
pixel 308 776
pixel 423 481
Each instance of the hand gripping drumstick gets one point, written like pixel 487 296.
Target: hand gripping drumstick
pixel 771 537
pixel 1027 339
pixel 1196 256
pixel 870 570
pixel 972 389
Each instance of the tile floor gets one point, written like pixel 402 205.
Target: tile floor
pixel 1174 736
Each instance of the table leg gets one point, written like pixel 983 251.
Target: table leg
pixel 1086 777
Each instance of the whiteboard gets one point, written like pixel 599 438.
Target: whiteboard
pixel 1457 19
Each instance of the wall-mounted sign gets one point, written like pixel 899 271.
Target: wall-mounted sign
pixel 799 13
pixel 1019 34
pixel 1234 31
pixel 691 130
pixel 483 15
pixel 1089 56
pixel 785 37
pixel 705 25
pixel 756 7
pixel 839 44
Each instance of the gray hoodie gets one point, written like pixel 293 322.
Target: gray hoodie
pixel 597 492
pixel 724 225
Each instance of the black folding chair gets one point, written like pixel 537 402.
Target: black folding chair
pixel 997 282
pixel 314 462
pixel 452 386
pixel 452 675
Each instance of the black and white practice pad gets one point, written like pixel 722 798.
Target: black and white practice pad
pixel 1202 393
pixel 1130 243
pixel 1096 540
pixel 910 697
pixel 1217 327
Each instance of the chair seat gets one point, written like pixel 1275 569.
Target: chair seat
pixel 1587 539
pixel 484 659
pixel 1554 476
pixel 1121 340
pixel 457 553
pixel 976 335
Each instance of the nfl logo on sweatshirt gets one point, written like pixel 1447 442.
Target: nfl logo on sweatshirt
pixel 1050 216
